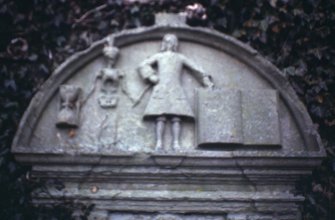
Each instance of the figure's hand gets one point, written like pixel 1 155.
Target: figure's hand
pixel 208 83
pixel 153 79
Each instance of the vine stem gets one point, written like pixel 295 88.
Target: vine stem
pixel 88 13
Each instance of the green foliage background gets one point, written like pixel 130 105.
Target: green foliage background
pixel 36 36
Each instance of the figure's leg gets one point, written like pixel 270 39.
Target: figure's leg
pixel 160 125
pixel 176 128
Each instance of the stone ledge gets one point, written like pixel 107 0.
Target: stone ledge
pixel 183 202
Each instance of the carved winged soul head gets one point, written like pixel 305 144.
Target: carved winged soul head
pixel 169 43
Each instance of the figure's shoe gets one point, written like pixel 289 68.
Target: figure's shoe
pixel 175 146
pixel 159 146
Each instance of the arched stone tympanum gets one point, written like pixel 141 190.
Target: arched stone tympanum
pixel 174 119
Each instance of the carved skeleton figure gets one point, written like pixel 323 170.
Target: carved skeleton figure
pixel 69 108
pixel 168 99
pixel 110 79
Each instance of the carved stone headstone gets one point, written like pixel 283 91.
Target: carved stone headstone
pixel 170 122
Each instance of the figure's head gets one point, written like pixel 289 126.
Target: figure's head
pixel 169 43
pixel 111 52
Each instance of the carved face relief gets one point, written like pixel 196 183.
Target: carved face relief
pixel 169 43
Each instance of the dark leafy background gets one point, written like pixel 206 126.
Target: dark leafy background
pixel 36 36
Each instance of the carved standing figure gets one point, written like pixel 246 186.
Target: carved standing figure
pixel 168 100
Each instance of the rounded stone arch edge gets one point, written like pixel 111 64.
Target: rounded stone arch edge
pixel 211 38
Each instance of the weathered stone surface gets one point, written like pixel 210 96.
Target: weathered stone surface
pixel 260 117
pixel 109 156
pixel 244 117
pixel 219 117
pixel 69 106
pixel 168 20
pixel 125 216
pixel 98 215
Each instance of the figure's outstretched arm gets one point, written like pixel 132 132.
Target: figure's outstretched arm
pixel 199 73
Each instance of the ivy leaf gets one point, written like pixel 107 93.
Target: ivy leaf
pixel 10 84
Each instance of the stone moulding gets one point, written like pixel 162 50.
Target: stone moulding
pixel 234 183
